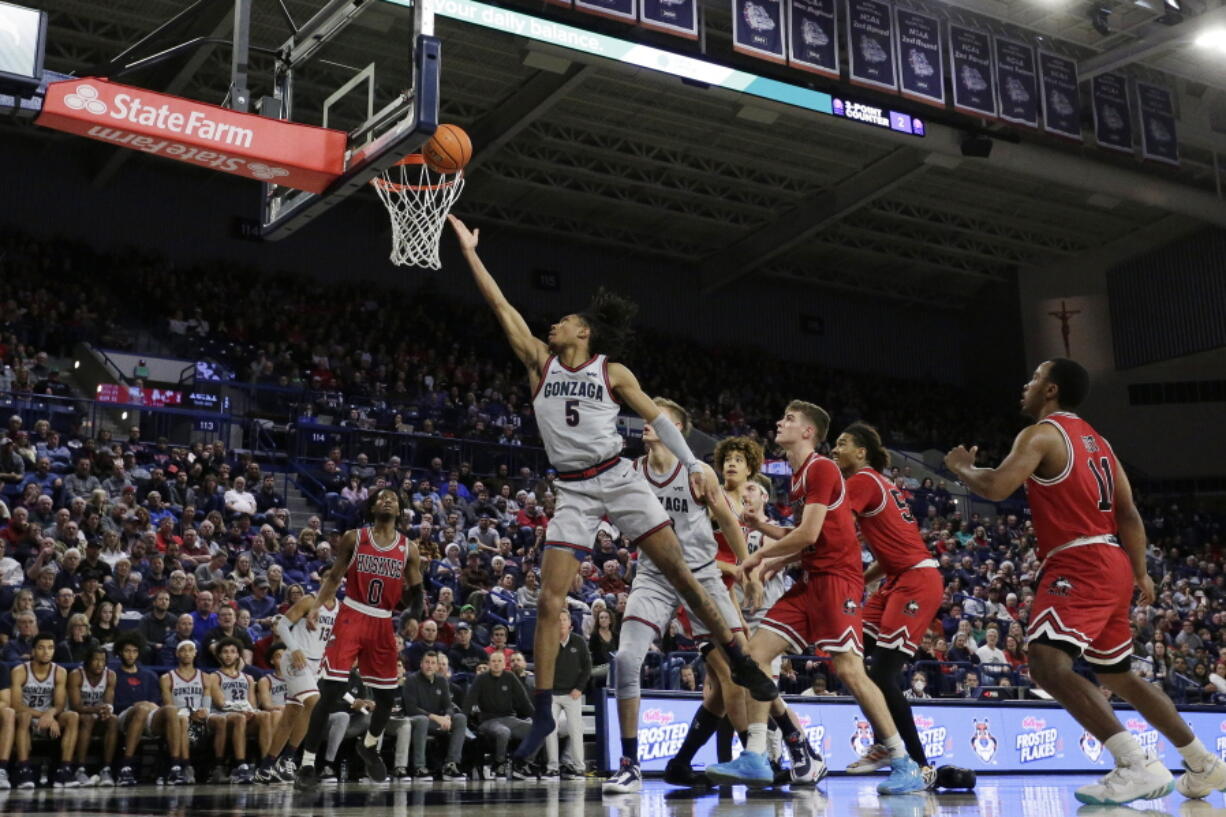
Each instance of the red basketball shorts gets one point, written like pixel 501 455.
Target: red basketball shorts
pixel 1083 598
pixel 369 640
pixel 899 613
pixel 823 610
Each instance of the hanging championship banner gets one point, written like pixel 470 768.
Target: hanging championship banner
pixel 1017 82
pixel 921 60
pixel 757 29
pixel 1112 117
pixel 678 17
pixel 813 41
pixel 870 44
pixel 970 60
pixel 1158 140
pixel 625 11
pixel 1061 100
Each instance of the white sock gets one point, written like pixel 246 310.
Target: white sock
pixel 1125 749
pixel 371 741
pixel 1196 755
pixel 308 758
pixel 895 746
pixel 757 738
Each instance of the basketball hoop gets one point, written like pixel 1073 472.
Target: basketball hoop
pixel 418 200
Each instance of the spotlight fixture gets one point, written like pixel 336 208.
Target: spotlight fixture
pixel 1172 12
pixel 1099 18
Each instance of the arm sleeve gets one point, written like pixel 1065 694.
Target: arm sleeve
pixel 286 633
pixel 674 442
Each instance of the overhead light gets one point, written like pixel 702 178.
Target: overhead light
pixel 1099 18
pixel 123 416
pixel 1214 38
pixel 1172 12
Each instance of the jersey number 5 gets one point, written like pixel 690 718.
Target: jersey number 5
pixel 572 412
pixel 902 506
pixel 1106 482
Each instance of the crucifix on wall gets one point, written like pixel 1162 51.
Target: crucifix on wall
pixel 1064 315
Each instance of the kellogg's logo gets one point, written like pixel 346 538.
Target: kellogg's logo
pixel 1033 723
pixel 1146 735
pixel 934 738
pixel 658 716
pixel 923 722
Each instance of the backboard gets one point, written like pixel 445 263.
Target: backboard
pixel 365 67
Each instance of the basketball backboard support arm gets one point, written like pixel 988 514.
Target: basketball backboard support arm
pixel 403 125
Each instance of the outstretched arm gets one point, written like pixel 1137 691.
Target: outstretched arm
pixel 1000 482
pixel 623 381
pixel 530 350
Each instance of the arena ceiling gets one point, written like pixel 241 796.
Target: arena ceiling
pixel 642 163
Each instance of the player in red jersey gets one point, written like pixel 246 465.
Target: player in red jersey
pixel 823 609
pixel 1091 541
pixel 896 616
pixel 383 570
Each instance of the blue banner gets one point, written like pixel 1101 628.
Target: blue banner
pixel 970 60
pixel 1158 135
pixel 1112 115
pixel 813 39
pixel 624 10
pixel 1017 82
pixel 870 44
pixel 921 59
pixel 1061 99
pixel 757 29
pixel 996 737
pixel 678 17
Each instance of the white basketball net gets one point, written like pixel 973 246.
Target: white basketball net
pixel 418 200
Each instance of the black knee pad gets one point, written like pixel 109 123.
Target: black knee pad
pixel 955 777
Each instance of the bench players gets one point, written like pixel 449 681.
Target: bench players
pixel 40 698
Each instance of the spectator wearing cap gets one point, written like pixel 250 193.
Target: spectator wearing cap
pixel 465 656
pixel 261 604
pixel 93 558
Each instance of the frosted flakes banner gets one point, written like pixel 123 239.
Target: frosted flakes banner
pixel 678 17
pixel 757 29
pixel 970 60
pixel 995 737
pixel 870 44
pixel 813 40
pixel 1112 116
pixel 921 59
pixel 1017 82
pixel 1061 100
pixel 1158 136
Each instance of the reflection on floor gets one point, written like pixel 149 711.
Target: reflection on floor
pixel 1012 796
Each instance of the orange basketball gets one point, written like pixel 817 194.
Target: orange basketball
pixel 449 150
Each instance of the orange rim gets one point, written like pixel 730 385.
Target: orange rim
pixel 396 187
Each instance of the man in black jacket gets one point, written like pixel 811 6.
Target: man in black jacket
pixel 503 708
pixel 570 680
pixel 427 704
pixel 465 656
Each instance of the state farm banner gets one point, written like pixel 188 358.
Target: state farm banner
pixel 678 17
pixel 1017 82
pixel 1061 99
pixel 970 59
pixel 1158 136
pixel 624 10
pixel 813 39
pixel 757 29
pixel 1112 115
pixel 870 44
pixel 300 156
pixel 921 60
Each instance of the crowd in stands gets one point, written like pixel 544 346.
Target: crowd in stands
pixel 109 535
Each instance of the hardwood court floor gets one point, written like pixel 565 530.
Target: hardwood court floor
pixel 995 796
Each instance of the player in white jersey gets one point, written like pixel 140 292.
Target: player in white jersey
pixel 7 720
pixel 42 708
pixel 653 601
pixel 189 690
pixel 304 631
pixel 576 395
pixel 270 696
pixel 233 695
pixel 91 694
